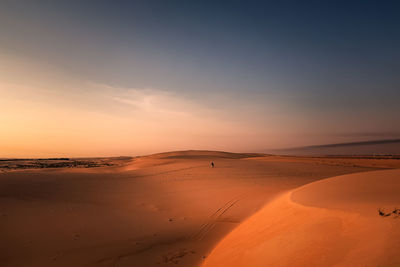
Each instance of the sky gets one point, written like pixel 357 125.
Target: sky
pixel 111 78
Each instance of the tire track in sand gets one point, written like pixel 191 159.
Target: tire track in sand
pixel 206 227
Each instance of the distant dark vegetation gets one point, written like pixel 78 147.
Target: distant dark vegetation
pixel 34 159
pixel 18 164
pixel 395 212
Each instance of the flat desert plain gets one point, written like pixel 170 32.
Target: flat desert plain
pixel 175 209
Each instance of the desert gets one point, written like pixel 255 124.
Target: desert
pixel 199 133
pixel 174 208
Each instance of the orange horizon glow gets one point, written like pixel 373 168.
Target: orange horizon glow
pixel 48 114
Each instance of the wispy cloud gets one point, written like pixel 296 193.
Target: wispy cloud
pixel 152 101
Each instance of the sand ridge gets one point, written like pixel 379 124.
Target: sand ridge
pixel 331 222
pixel 169 208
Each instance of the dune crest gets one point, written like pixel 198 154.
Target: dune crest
pixel 332 222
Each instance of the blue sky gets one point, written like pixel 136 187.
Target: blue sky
pixel 288 72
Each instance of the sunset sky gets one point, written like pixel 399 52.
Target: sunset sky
pixel 110 78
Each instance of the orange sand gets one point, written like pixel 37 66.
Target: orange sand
pixel 332 222
pixel 169 208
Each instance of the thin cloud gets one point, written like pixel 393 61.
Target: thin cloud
pixel 151 100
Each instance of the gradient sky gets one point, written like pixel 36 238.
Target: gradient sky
pixel 102 78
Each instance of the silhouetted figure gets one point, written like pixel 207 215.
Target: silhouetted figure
pixel 212 164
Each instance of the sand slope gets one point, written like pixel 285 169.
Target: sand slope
pixel 169 208
pixel 332 222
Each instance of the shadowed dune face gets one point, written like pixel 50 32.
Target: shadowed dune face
pixel 149 211
pixel 332 222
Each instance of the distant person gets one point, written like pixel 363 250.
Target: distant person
pixel 212 164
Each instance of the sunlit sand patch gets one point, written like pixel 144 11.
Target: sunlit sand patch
pixel 332 222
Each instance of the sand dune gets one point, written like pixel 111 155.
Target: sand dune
pixel 201 154
pixel 168 208
pixel 332 222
